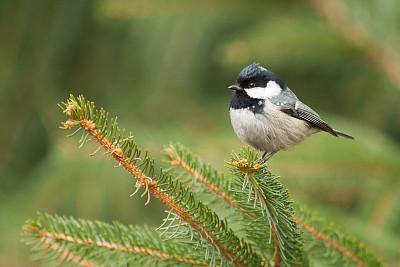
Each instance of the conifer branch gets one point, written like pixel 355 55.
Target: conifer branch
pixel 177 155
pixel 65 255
pixel 339 247
pixel 82 114
pixel 333 244
pixel 382 55
pixel 61 235
pixel 197 236
pixel 104 245
pixel 262 193
pixel 180 156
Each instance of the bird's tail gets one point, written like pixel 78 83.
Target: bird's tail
pixel 342 134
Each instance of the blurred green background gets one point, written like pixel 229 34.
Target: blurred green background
pixel 163 68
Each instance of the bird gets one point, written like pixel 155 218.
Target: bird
pixel 268 116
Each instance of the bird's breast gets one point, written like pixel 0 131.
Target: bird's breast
pixel 269 130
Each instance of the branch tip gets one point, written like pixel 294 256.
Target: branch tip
pixel 89 125
pixel 69 109
pixel 82 110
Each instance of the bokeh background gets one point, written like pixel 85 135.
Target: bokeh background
pixel 163 68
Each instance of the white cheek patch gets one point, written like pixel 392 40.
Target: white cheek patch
pixel 272 89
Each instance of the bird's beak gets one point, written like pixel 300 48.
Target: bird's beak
pixel 235 87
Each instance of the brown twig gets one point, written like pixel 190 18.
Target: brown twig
pixel 383 209
pixel 176 160
pixel 382 55
pixel 65 254
pixel 143 181
pixel 277 256
pixel 277 260
pixel 324 238
pixel 50 238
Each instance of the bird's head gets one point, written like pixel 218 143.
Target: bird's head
pixel 258 82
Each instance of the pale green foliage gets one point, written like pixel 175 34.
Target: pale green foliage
pixel 260 192
pixel 214 176
pixel 322 254
pixel 104 244
pixel 257 193
pixel 266 187
pixel 176 153
pixel 243 220
pixel 80 109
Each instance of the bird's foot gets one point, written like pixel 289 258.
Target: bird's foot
pixel 266 156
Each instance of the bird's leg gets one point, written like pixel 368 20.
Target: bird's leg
pixel 267 155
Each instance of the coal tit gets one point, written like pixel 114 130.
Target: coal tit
pixel 268 116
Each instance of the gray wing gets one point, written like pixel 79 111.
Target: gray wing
pixel 291 105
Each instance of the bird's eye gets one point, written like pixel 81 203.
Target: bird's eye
pixel 252 84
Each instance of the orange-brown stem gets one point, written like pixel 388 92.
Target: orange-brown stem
pixel 277 259
pixel 383 209
pixel 103 244
pixel 383 56
pixel 277 256
pixel 178 161
pixel 67 255
pixel 64 254
pixel 324 238
pixel 143 180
